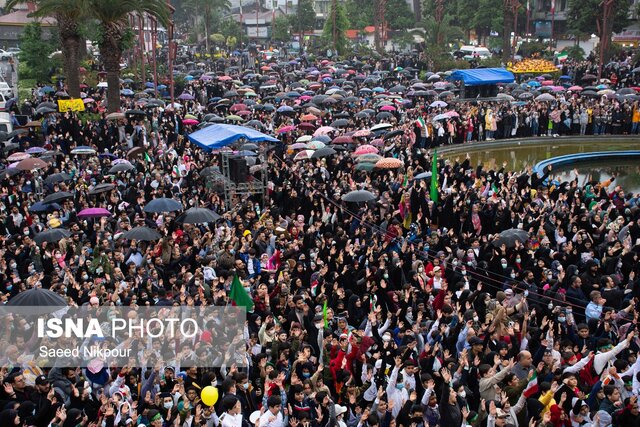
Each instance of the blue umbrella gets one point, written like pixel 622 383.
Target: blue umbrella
pixel 127 92
pixel 48 89
pixel 221 135
pixel 565 78
pixel 162 87
pixel 188 78
pixel 149 84
pixel 44 207
pixel 285 109
pixel 127 81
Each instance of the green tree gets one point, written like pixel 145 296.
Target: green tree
pixel 230 28
pixel 304 20
pixel 281 26
pixel 585 16
pixel 217 39
pixel 115 35
pixel 398 15
pixel 335 27
pixel 70 15
pixel 35 51
pixel 359 13
pixel 209 10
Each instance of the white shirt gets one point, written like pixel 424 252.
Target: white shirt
pixel 277 422
pixel 228 420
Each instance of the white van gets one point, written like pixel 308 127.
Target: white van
pixel 475 52
pixel 6 90
pixel 5 123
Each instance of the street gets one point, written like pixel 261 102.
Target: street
pixel 11 77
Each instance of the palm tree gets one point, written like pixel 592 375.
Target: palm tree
pixel 206 9
pixel 69 15
pixel 113 22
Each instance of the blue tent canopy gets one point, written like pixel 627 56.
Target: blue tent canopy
pixel 219 135
pixel 483 76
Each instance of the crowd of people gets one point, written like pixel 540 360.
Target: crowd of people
pixel 438 311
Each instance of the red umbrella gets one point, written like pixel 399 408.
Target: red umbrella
pixel 286 129
pixel 343 140
pixel 190 122
pixel 30 164
pixel 238 107
pixel 306 126
pixel 389 163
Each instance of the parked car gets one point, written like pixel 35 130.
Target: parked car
pixel 5 55
pixel 5 89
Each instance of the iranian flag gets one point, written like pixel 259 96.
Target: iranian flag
pixel 421 123
pixel 239 296
pixel 532 386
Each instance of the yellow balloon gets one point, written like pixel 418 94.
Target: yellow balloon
pixel 209 395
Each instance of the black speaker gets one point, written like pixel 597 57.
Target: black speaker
pixel 238 169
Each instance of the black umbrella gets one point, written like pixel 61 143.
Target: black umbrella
pixel 45 110
pixel 323 152
pixel 163 204
pixel 121 167
pixel 358 196
pixel 510 237
pixel 57 177
pixel 340 123
pixel 198 216
pixel 43 207
pixel 45 300
pixel 384 115
pixel 135 113
pixel 56 197
pixel 52 235
pixel 101 188
pixel 209 171
pixel 9 172
pixel 142 233
pixel 391 134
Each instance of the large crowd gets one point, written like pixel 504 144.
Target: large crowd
pixel 436 314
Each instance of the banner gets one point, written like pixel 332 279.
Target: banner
pixel 65 105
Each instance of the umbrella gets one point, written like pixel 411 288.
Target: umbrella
pixel 115 116
pixel 324 130
pixel 142 233
pixel 135 151
pixel 101 188
pixel 94 213
pixel 545 97
pixel 8 172
pixel 368 158
pixel 121 167
pixel 381 126
pixel 43 207
pixel 57 196
pixel 367 167
pixel 340 123
pixel 389 163
pixel 323 152
pixel 303 155
pixel 83 149
pixel 510 237
pixel 31 164
pixel 423 175
pixel 387 136
pixel 365 149
pixel 344 139
pixel 52 235
pixel 163 204
pixel 362 133
pixel 16 157
pixel 198 216
pixel 358 196
pixel 314 145
pixel 35 150
pixel 45 300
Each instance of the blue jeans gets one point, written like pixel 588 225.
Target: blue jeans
pixel 635 127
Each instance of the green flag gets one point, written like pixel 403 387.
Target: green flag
pixel 324 314
pixel 434 178
pixel 239 295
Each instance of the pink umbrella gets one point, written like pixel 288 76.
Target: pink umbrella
pixel 14 164
pixel 286 129
pixel 547 83
pixel 452 114
pixel 93 213
pixel 16 157
pixel 238 107
pixel 362 133
pixel 388 108
pixel 575 88
pixel 378 142
pixel 297 146
pixel 190 122
pixel 323 130
pixel 88 100
pixel 365 149
pixel 224 78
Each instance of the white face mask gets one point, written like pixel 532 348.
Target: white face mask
pixel 476 319
pixel 462 394
pixel 504 265
pixel 168 405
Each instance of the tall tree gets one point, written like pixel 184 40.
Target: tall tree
pixel 304 19
pixel 35 51
pixel 281 27
pixel 208 10
pixel 335 27
pixel 69 15
pixel 585 16
pixel 114 32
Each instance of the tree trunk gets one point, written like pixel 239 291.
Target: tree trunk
pixel 506 32
pixel 207 18
pixel 70 40
pixel 111 53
